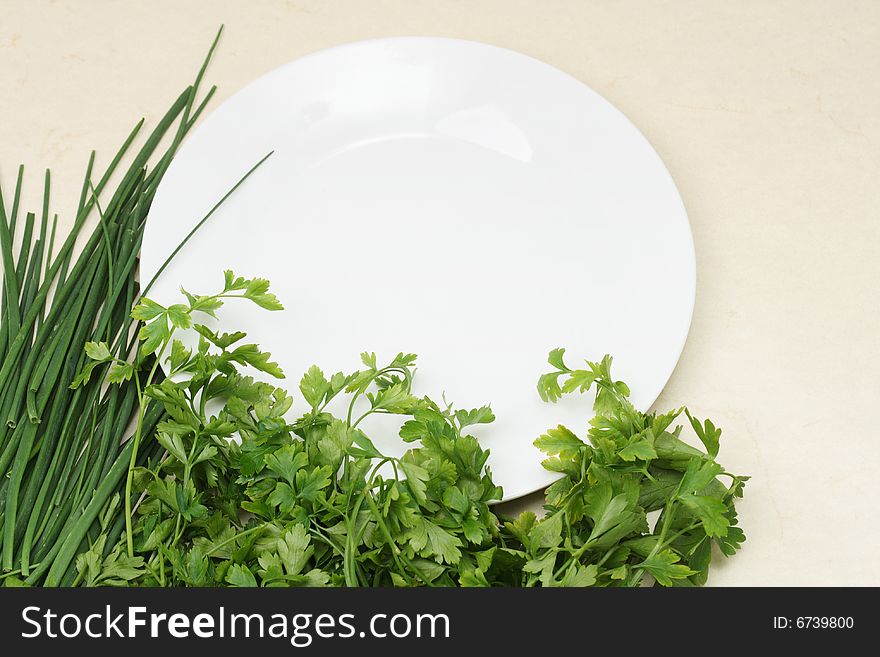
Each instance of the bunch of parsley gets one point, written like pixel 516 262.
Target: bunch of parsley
pixel 598 529
pixel 241 496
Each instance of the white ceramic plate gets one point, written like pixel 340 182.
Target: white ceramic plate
pixel 456 200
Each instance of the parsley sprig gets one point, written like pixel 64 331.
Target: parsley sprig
pixel 631 464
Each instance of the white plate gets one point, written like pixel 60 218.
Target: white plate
pixel 448 198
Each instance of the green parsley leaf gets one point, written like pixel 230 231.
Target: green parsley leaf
pixel 665 567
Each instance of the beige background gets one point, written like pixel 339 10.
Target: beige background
pixel 766 113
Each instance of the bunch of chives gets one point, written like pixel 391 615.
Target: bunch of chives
pixel 63 453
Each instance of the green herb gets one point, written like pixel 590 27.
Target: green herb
pixel 243 497
pixel 62 456
pixel 630 465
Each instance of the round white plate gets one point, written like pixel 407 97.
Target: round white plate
pixel 452 199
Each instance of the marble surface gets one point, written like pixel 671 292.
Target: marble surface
pixel 767 115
